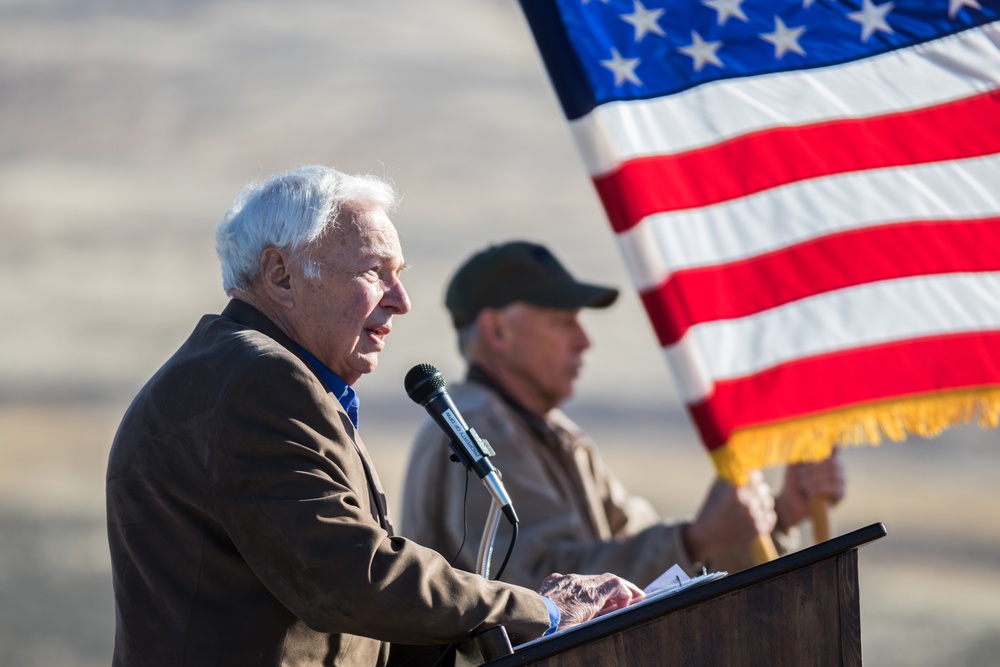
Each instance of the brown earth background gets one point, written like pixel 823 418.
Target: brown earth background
pixel 126 128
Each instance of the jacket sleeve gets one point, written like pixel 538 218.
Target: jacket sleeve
pixel 291 492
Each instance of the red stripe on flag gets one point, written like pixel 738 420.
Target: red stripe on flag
pixel 848 378
pixel 762 160
pixel 820 265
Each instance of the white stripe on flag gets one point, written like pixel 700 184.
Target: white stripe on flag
pixel 668 242
pixel 853 317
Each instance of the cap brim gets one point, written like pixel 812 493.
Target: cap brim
pixel 573 296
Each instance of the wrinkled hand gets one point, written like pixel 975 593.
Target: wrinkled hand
pixel 729 518
pixel 581 597
pixel 807 480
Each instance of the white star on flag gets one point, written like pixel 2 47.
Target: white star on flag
pixel 872 18
pixel 727 9
pixel 785 39
pixel 955 5
pixel 623 68
pixel 701 51
pixel 644 20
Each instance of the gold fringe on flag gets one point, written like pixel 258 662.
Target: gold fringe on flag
pixel 813 438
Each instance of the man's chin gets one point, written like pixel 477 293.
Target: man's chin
pixel 366 363
pixel 359 367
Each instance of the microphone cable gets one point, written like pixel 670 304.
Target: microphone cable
pixel 510 550
pixel 465 520
pixel 465 533
pixel 450 649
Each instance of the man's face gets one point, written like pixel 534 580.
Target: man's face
pixel 343 316
pixel 545 350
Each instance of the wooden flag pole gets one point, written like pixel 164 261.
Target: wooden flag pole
pixel 819 513
pixel 762 549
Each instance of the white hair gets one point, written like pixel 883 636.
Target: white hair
pixel 289 212
pixel 468 339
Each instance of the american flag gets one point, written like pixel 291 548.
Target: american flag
pixel 807 197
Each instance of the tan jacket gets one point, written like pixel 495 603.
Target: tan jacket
pixel 574 514
pixel 248 527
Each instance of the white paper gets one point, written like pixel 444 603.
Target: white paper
pixel 674 577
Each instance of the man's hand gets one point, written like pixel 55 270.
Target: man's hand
pixel 581 597
pixel 807 480
pixel 729 518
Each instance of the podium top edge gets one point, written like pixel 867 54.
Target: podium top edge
pixel 797 560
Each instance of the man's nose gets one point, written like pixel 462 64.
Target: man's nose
pixel 582 339
pixel 396 299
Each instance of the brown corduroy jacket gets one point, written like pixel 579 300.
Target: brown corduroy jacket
pixel 247 525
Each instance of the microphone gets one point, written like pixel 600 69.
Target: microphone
pixel 425 385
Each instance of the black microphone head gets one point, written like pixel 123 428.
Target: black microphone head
pixel 422 382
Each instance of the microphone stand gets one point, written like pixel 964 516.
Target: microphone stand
pixel 489 537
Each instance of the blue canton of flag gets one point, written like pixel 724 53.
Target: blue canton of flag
pixel 632 50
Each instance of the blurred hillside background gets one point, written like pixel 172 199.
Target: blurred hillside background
pixel 126 129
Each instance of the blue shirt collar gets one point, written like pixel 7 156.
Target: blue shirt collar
pixel 342 391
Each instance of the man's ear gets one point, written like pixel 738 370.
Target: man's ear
pixel 276 277
pixel 493 327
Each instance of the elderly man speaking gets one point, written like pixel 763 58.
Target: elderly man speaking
pixel 246 522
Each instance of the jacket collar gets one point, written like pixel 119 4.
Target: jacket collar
pixel 542 427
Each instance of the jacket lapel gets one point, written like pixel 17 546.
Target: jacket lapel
pixel 247 315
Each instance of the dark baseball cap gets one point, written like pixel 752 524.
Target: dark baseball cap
pixel 518 271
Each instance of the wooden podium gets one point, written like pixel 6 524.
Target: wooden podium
pixel 801 609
